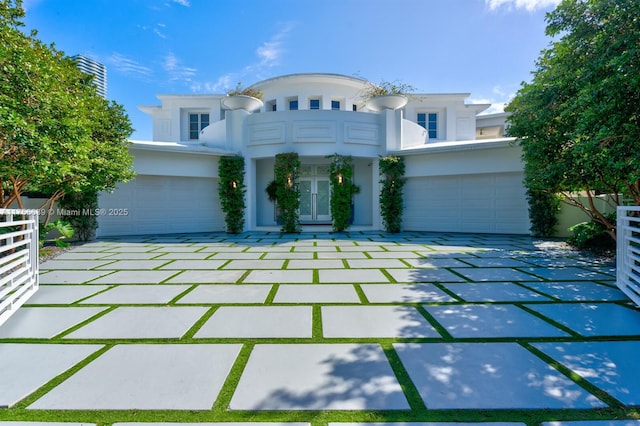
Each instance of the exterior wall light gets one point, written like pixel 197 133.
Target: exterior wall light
pixel 340 178
pixel 289 181
pixel 234 184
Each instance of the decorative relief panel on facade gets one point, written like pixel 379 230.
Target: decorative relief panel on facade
pixel 361 133
pixel 266 133
pixel 314 131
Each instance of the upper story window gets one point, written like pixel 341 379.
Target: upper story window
pixel 270 106
pixel 354 107
pixel 197 122
pixel 293 104
pixel 335 105
pixel 314 103
pixel 429 121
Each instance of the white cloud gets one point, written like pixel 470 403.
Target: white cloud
pixel 184 3
pixel 498 101
pixel 176 70
pixel 159 33
pixel 128 66
pixel 268 54
pixel 528 5
pixel 222 84
pixel 271 51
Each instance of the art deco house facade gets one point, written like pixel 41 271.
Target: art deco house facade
pixel 462 174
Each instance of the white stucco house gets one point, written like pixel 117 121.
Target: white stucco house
pixel 462 174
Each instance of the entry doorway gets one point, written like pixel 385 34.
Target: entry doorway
pixel 315 194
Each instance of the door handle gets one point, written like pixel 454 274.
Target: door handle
pixel 314 207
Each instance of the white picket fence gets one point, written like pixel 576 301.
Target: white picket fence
pixel 18 259
pixel 628 252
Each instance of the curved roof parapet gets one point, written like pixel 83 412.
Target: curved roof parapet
pixel 314 77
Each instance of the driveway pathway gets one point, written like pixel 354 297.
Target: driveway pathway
pixel 323 329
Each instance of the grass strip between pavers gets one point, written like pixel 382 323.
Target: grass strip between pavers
pixel 272 294
pixel 199 323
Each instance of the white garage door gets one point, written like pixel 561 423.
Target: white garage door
pixel 161 205
pixel 486 203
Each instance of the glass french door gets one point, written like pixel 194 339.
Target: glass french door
pixel 315 196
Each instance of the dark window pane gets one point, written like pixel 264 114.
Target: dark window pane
pixel 335 104
pixel 293 105
pixel 314 104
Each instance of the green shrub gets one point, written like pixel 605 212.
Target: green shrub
pixel 342 191
pixel 591 235
pixel 63 229
pixel 84 219
pixel 231 190
pixel 286 171
pixel 392 180
pixel 543 212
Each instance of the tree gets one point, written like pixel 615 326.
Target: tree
pixel 578 121
pixel 57 134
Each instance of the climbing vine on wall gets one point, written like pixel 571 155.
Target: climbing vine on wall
pixel 287 171
pixel 342 191
pixel 231 190
pixel 392 183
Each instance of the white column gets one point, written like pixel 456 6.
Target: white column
pixel 376 219
pixel 250 196
pixel 392 125
pixel 451 124
pixel 235 129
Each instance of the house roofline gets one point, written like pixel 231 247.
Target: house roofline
pixel 178 148
pixel 437 147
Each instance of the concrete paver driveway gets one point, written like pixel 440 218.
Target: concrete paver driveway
pixel 411 327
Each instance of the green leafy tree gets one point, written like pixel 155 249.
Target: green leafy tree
pixel 57 135
pixel 578 121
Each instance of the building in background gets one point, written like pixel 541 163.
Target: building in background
pixel 96 69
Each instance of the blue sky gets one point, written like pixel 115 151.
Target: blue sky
pixel 484 47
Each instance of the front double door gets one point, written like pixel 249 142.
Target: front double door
pixel 315 194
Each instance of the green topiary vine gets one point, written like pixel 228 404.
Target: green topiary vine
pixel 231 189
pixel 543 212
pixel 342 191
pixel 392 180
pixel 287 171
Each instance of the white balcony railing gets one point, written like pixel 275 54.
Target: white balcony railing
pixel 18 259
pixel 628 252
